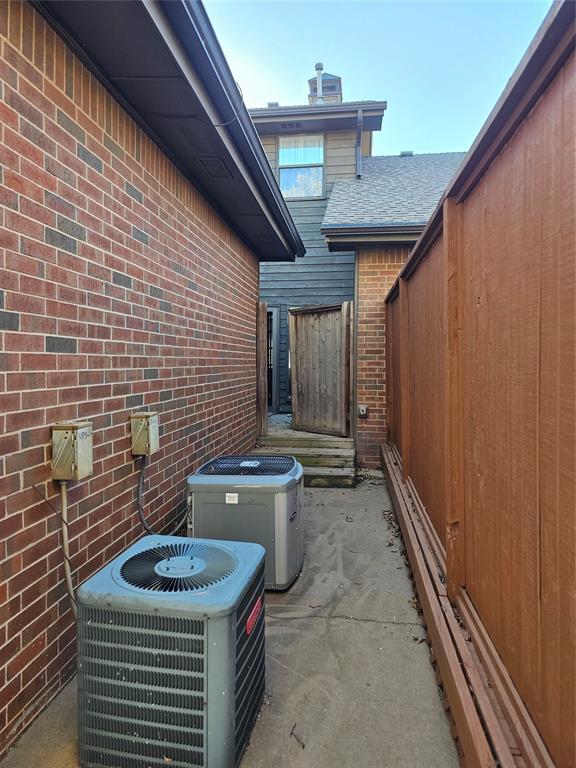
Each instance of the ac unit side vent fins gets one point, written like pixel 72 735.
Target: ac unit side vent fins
pixel 249 664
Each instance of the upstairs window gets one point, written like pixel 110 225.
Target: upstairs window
pixel 301 166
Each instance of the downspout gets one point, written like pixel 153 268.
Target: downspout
pixel 359 127
pixel 354 393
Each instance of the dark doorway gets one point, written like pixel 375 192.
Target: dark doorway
pixel 273 369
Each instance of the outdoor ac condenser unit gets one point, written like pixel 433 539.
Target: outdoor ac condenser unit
pixel 171 655
pixel 252 498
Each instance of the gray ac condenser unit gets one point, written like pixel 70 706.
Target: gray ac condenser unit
pixel 252 498
pixel 171 655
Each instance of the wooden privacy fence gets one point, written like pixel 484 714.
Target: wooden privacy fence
pixel 482 415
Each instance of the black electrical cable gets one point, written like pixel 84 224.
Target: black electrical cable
pixel 171 116
pixel 199 119
pixel 178 525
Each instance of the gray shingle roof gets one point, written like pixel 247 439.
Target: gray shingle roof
pixel 393 190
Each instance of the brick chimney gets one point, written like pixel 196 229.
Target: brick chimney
pixel 324 88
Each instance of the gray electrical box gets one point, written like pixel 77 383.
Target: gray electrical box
pixel 145 433
pixel 71 450
pixel 252 498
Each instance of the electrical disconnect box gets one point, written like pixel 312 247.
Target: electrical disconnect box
pixel 145 435
pixel 72 450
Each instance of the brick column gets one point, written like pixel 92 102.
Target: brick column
pixel 377 270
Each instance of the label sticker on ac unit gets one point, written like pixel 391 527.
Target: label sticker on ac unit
pixel 253 618
pixel 231 498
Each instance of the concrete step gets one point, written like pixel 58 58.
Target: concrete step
pixel 329 477
pixel 312 457
pixel 328 461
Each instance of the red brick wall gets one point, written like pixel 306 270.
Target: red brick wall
pixel 120 290
pixel 377 269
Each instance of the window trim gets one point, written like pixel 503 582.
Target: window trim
pixel 322 165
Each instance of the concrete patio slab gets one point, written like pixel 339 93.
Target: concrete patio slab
pixel 349 680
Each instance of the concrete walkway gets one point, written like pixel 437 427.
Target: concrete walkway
pixel 349 679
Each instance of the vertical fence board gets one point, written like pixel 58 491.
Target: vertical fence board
pixel 405 376
pixel 394 363
pixel 293 346
pixel 389 369
pixel 427 374
pixel 557 417
pixel 454 407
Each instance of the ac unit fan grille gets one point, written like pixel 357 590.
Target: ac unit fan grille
pixel 248 465
pixel 183 567
pixel 134 715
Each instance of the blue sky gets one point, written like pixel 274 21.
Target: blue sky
pixel 440 65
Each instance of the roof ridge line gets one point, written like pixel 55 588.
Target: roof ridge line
pixel 417 154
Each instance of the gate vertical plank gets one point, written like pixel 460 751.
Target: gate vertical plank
pixel 309 371
pixel 455 512
pixel 292 331
pixel 329 362
pixel 317 355
pixel 262 369
pixel 331 406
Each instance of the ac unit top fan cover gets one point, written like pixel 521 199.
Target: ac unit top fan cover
pixel 201 573
pixel 261 473
pixel 182 567
pixel 253 466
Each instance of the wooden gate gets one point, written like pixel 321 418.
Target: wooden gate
pixel 320 368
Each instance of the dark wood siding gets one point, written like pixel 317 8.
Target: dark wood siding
pixel 318 278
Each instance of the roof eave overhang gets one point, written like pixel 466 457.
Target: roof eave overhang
pixel 339 238
pixel 246 193
pixel 274 121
